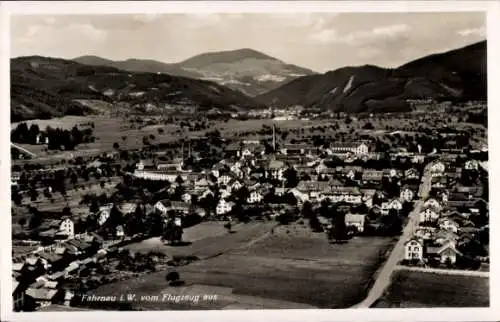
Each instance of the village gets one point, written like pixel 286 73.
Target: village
pixel 346 190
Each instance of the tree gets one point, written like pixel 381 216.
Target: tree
pixel 172 277
pixel 66 211
pixel 291 177
pixel 115 218
pixel 116 146
pixel 172 233
pixel 307 211
pixel 228 227
pixel 22 221
pixel 94 206
pixel 33 194
pixel 338 232
pixel 36 218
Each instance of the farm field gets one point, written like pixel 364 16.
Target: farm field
pixel 290 265
pixel 108 130
pixel 207 240
pixel 410 289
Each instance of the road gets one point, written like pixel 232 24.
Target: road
pixel 384 276
pixel 23 150
pixel 444 271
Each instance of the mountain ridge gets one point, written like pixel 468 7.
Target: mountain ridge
pixel 457 74
pixel 246 70
pixel 44 87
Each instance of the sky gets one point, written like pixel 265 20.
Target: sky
pixel 319 41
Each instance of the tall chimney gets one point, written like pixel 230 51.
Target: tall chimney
pixel 274 137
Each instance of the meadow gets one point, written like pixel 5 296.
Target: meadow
pixel 287 264
pixel 410 289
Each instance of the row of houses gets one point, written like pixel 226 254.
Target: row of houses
pixel 447 219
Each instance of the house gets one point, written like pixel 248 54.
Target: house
pixel 17 296
pixel 390 173
pixel 444 195
pixel 352 147
pixel 431 202
pixel 120 231
pixel 392 204
pixel 225 193
pixel 406 194
pixel 411 174
pixel 178 206
pixel 424 233
pixel 224 179
pixel 296 149
pixel 471 165
pixel 235 185
pixel 252 149
pixel 345 194
pixel 103 215
pixel 321 167
pixel 279 192
pixel 372 176
pixel 160 206
pixel 448 225
pixel 439 182
pixel 418 159
pixel 446 253
pixel 201 185
pixel 312 186
pixel 42 296
pixel 187 198
pixel 414 250
pixel 437 168
pixel 441 237
pixel 299 195
pixel 255 197
pixel 233 149
pixel 156 175
pixel 223 207
pixel 81 245
pixel 428 215
pixel 275 169
pixel 127 208
pixel 67 227
pixel 356 220
pixel 206 193
pixel 54 260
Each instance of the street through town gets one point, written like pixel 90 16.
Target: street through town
pixel 384 276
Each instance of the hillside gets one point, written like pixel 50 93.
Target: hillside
pixel 44 87
pixel 455 75
pixel 137 65
pixel 246 70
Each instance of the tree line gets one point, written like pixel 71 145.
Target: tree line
pixel 55 138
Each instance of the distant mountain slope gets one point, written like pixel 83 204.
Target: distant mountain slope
pixel 138 65
pixel 246 70
pixel 44 87
pixel 454 75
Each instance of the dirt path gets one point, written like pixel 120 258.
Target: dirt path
pixel 23 149
pixel 384 277
pixel 444 271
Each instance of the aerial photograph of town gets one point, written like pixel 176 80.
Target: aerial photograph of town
pixel 220 161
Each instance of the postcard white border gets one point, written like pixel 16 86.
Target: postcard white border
pixel 492 8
